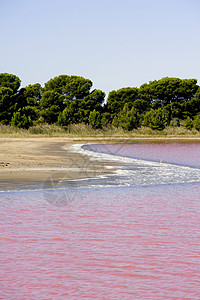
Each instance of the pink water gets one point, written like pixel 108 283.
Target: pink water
pixel 178 153
pixel 109 243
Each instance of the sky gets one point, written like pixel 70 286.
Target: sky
pixel 114 43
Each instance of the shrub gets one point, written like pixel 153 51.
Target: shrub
pixel 95 119
pixel 196 123
pixel 188 124
pixel 155 119
pixel 20 120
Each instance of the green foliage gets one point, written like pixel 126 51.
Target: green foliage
pixel 66 117
pixel 106 119
pixel 115 121
pixel 19 119
pixel 188 124
pixel 9 85
pixel 32 112
pixel 33 94
pixel 190 108
pixel 94 100
pixel 72 87
pixel 197 95
pixel 168 112
pixel 155 119
pixel 168 90
pixel 50 114
pixel 178 123
pixel 95 119
pixel 141 105
pixel 18 106
pixel 174 123
pixel 73 114
pixel 129 119
pixel 68 100
pixel 196 123
pixel 50 98
pixel 51 105
pixel 117 99
pixel 5 104
pixel 178 97
pixel 10 81
pixel 27 101
pixel 73 97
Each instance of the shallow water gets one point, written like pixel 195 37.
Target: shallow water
pixel 144 164
pixel 127 242
pixel 184 154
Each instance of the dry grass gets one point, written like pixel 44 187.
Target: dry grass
pixel 82 130
pixel 57 131
pixel 168 131
pixel 38 130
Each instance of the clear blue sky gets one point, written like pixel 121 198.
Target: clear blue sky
pixel 115 43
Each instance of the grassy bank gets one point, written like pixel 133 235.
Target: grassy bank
pixel 82 130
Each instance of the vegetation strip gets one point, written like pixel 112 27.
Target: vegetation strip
pixel 170 106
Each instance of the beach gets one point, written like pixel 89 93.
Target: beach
pixel 33 161
pixel 25 161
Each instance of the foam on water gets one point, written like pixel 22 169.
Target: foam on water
pixel 129 171
pixel 124 171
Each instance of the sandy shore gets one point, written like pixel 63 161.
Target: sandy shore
pixel 33 162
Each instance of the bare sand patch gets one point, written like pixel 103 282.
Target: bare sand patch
pixel 32 161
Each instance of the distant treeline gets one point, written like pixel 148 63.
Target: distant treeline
pixel 68 100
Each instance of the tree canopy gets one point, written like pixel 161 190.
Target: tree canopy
pixel 69 96
pixel 169 90
pixel 117 99
pixel 177 98
pixel 10 81
pixel 68 99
